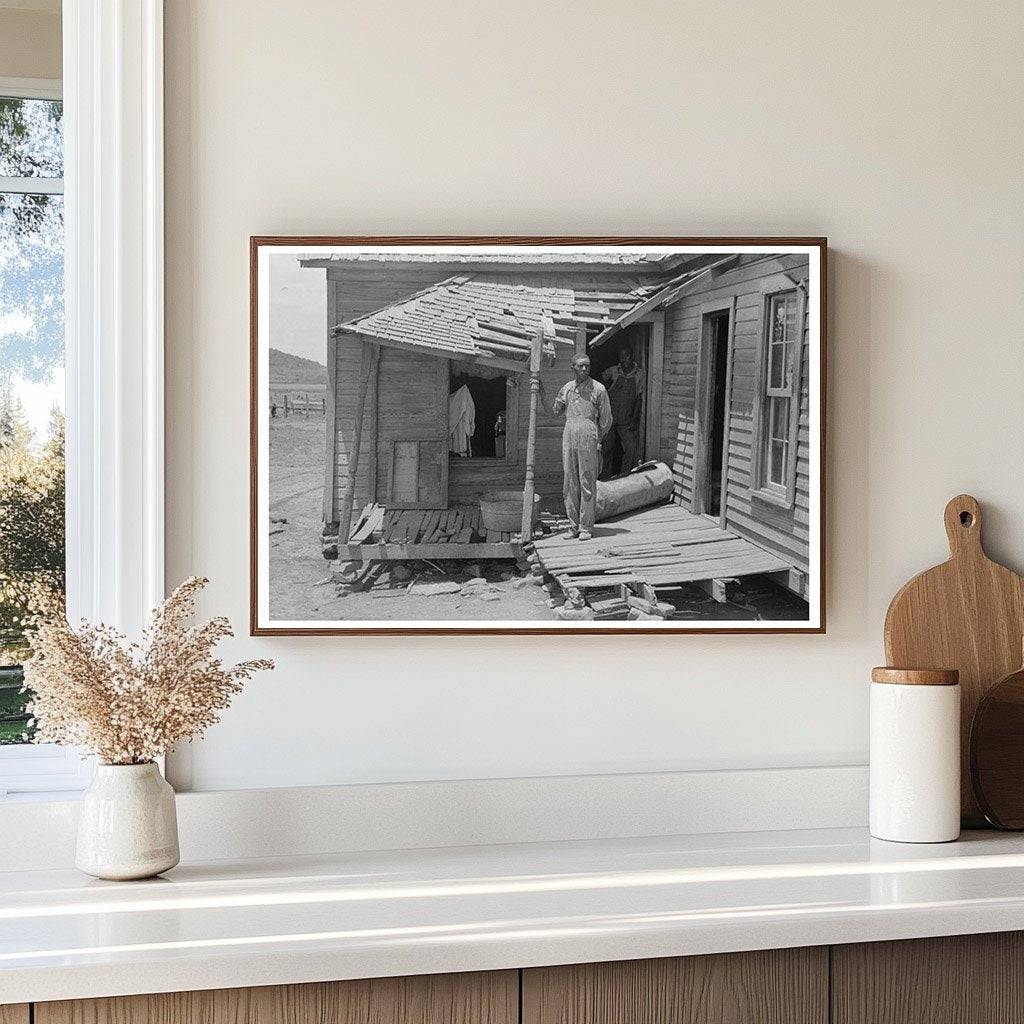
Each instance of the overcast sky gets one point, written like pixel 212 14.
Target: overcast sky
pixel 298 308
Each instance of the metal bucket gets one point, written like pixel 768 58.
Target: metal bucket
pixel 502 511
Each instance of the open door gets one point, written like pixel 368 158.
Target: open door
pixel 712 427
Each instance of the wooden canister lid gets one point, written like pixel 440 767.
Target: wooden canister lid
pixel 916 676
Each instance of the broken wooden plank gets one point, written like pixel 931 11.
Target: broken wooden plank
pixel 397 551
pixel 596 582
pixel 364 577
pixel 719 588
pixel 415 524
pixel 368 525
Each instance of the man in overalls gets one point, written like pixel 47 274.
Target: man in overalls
pixel 588 417
pixel 626 394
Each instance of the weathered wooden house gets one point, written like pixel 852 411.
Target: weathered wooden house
pixel 723 341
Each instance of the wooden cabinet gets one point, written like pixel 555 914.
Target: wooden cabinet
pixel 777 986
pixel 971 979
pixel 962 979
pixel 490 998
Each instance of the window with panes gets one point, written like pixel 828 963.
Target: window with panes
pixel 781 394
pixel 31 388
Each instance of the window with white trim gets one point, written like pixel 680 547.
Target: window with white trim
pixel 32 489
pixel 780 399
pixel 112 162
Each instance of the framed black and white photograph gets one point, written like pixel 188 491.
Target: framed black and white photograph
pixel 537 435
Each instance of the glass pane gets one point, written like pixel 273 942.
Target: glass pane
pixel 780 372
pixel 31 138
pixel 779 422
pixel 777 463
pixel 779 320
pixel 31 431
pixel 777 361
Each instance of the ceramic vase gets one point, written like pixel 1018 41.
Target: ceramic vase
pixel 127 825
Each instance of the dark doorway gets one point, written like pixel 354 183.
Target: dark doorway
pixel 604 367
pixel 717 336
pixel 489 414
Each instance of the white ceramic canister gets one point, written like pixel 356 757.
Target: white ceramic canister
pixel 915 755
pixel 127 824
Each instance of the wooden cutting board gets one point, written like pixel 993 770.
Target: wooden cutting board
pixel 967 614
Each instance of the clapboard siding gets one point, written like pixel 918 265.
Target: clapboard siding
pixel 408 407
pixel 358 291
pixel 783 531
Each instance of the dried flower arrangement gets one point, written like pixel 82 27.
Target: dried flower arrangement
pixel 129 703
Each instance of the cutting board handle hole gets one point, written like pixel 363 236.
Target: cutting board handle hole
pixel 963 525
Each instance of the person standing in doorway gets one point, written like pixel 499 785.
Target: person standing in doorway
pixel 626 395
pixel 588 417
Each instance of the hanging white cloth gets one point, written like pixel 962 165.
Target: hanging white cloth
pixel 461 421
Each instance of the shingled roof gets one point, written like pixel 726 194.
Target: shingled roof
pixel 495 316
pixel 476 316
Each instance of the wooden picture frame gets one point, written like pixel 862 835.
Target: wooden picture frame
pixel 667 277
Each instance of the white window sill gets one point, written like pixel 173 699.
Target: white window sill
pixel 42 771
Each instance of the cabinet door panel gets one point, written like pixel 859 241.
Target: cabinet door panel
pixel 961 979
pixel 14 1013
pixel 482 998
pixel 779 986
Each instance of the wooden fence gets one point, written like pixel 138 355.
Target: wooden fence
pixel 284 404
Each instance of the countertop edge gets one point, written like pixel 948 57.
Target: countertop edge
pixel 555 944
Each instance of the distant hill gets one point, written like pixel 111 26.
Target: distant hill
pixel 295 370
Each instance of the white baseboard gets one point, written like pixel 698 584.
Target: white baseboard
pixel 236 824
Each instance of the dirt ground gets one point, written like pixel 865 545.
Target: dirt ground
pixel 301 587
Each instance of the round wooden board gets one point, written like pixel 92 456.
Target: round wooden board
pixel 997 752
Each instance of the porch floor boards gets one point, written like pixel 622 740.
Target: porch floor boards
pixel 396 534
pixel 661 546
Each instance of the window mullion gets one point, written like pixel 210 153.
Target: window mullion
pixel 32 186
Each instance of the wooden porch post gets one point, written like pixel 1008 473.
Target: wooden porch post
pixel 536 349
pixel 368 371
pixel 580 342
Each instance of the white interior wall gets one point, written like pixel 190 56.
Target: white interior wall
pixel 895 129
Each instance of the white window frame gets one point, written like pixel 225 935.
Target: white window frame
pixel 114 322
pixel 782 495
